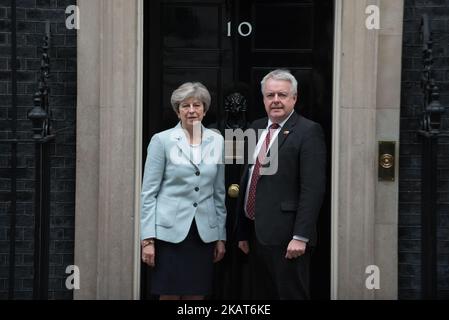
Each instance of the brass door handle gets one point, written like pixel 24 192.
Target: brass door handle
pixel 234 190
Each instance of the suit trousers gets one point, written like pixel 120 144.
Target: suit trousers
pixel 274 277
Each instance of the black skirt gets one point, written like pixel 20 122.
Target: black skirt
pixel 184 268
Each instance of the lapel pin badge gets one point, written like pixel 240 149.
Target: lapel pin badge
pixel 286 133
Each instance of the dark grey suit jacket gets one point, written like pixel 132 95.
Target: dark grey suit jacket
pixel 289 201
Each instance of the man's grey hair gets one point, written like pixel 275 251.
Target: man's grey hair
pixel 190 90
pixel 281 74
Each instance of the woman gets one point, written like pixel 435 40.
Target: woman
pixel 183 201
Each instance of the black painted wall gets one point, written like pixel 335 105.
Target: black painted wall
pixel 410 154
pixel 31 17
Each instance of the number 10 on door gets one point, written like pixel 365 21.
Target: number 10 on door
pixel 244 29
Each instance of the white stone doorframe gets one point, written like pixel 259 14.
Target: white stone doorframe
pixel 366 110
pixel 366 104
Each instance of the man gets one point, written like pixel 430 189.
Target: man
pixel 278 210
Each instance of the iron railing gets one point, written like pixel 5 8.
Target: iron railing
pixel 40 115
pixel 431 129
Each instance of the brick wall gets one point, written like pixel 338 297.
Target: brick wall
pixel 31 17
pixel 410 154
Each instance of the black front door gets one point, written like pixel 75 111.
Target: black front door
pixel 229 45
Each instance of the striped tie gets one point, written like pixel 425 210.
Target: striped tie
pixel 251 201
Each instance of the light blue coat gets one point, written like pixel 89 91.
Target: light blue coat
pixel 175 190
